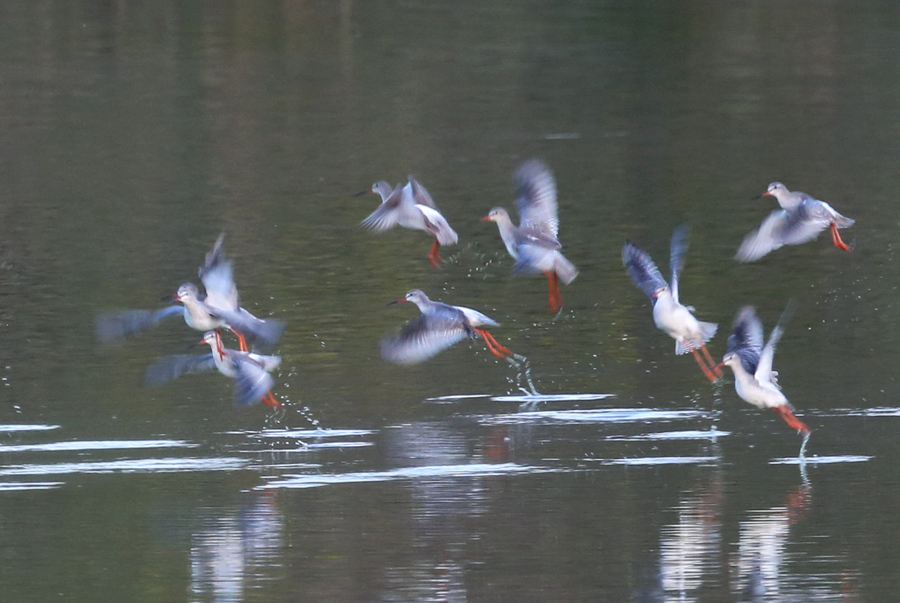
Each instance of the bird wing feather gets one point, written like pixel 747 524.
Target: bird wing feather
pixel 388 213
pixel 116 326
pixel 422 339
pixel 171 367
pixel 641 269
pixel 536 198
pixel 677 254
pixel 746 338
pixel 764 371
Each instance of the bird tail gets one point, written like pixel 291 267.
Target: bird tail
pixel 789 418
pixel 707 331
pixel 565 270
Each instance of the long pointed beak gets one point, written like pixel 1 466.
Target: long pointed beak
pixel 361 193
pixel 486 219
pixel 396 301
pixel 718 366
pixel 169 297
pixel 761 195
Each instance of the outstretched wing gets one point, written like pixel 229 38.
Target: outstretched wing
pixel 217 275
pixel 746 339
pixel 764 369
pixel 424 337
pixel 420 196
pixel 251 382
pixel 388 213
pixel 641 269
pixel 113 327
pixel 264 332
pixel 536 198
pixel 676 256
pixel 171 367
pixel 785 227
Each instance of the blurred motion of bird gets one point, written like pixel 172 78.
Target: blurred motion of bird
pixel 534 243
pixel 410 206
pixel 669 314
pixel 800 219
pixel 436 329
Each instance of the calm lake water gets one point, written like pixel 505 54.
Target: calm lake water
pixel 602 468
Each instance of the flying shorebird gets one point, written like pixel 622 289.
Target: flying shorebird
pixel 534 243
pixel 218 308
pixel 669 314
pixel 800 219
pixel 250 371
pixel 754 380
pixel 438 327
pixel 410 206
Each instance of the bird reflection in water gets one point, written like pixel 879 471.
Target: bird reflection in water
pixel 235 550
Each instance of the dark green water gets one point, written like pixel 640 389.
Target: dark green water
pixel 132 134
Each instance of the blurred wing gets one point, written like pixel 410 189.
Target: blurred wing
pixel 421 339
pixel 217 275
pixel 785 227
pixel 764 369
pixel 746 339
pixel 116 326
pixel 763 240
pixel 641 269
pixel 264 332
pixel 171 367
pixel 804 222
pixel 536 198
pixel 251 382
pixel 419 194
pixel 388 213
pixel 676 256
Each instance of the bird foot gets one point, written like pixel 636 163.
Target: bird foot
pixel 836 238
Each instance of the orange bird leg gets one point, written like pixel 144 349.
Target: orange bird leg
pixel 269 400
pixel 433 256
pixel 242 341
pixel 836 238
pixel 219 346
pixel 703 367
pixel 492 344
pixel 713 365
pixel 789 418
pixel 556 290
pixel 553 292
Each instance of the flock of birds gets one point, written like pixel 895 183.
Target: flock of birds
pixel 535 247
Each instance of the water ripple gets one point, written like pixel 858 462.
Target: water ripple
pixel 822 460
pixel 600 415
pixel 98 445
pixel 170 465
pixel 19 486
pixel 4 428
pixel 672 435
pixel 661 460
pixel 474 470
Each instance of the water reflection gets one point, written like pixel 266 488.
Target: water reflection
pixel 696 559
pixel 235 551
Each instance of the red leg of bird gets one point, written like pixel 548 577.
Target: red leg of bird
pixel 836 238
pixel 556 290
pixel 242 341
pixel 713 365
pixel 269 400
pixel 219 346
pixel 553 292
pixel 789 418
pixel 703 367
pixel 433 256
pixel 493 345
